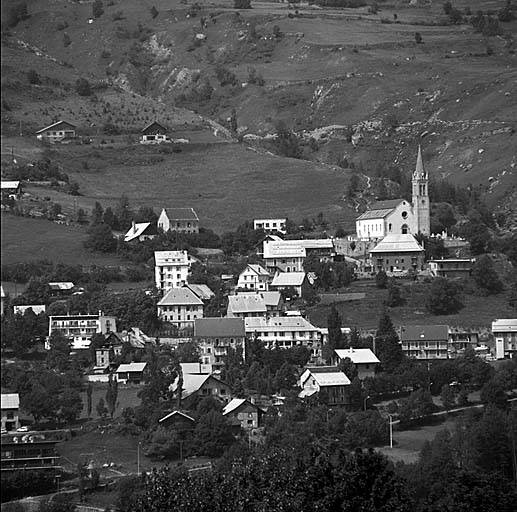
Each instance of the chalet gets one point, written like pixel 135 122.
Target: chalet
pixel 505 336
pixel 132 373
pixel 363 359
pixel 200 386
pixel 140 231
pixel 425 341
pixel 216 336
pixel 327 379
pixel 178 421
pixel 247 413
pixel 12 189
pixel 398 253
pixel 180 307
pixel 10 410
pixel 181 220
pixel 296 281
pixel 154 133
pixel 451 267
pixel 57 132
pixel 254 277
pixel 270 225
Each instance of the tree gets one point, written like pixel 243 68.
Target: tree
pixel 89 391
pixel 447 7
pixel 70 405
pixel 112 394
pixel 101 408
pixel 187 352
pixel 58 357
pixel 33 77
pixel 97 213
pixel 394 295
pixel 286 142
pixel 387 343
pixel 492 393
pixel 154 12
pixel 485 275
pixel 212 435
pixel 242 4
pixel 335 335
pixel 109 218
pixel 97 9
pixel 123 213
pixel 381 279
pixel 101 239
pixel 418 37
pixel 443 297
pixel 82 87
pixel 447 396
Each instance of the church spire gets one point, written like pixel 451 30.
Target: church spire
pixel 419 169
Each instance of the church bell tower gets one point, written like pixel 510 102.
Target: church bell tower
pixel 421 207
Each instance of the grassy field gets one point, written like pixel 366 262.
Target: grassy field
pixel 25 239
pixel 127 397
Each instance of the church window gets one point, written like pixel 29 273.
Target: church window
pixel 389 226
pixel 404 214
pixel 405 229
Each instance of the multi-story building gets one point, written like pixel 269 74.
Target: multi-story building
pixel 451 267
pixel 363 359
pixel 29 451
pixel 461 338
pixel 181 220
pixel 80 328
pixel 245 411
pixel 398 253
pixel 425 341
pixel 171 269
pixel 329 379
pixel 270 225
pixel 254 277
pixel 260 304
pixel 505 336
pixel 10 407
pixel 216 336
pixel 180 307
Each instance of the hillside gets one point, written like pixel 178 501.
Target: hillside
pixel 327 72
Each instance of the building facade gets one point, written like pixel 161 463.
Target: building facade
pixel 328 379
pixel 171 269
pixel 270 225
pixel 254 277
pixel 180 307
pixel 10 407
pixel 182 220
pixel 363 359
pixel 425 341
pixel 398 253
pixel 57 132
pixel 29 452
pixel 451 267
pixel 505 336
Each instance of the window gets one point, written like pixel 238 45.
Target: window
pixel 404 214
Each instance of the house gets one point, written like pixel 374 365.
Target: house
pixel 134 339
pixel 10 410
pixel 171 269
pixel 36 309
pixel 180 307
pixel 200 386
pixel 363 359
pixel 285 332
pixel 30 452
pixel 216 335
pixel 327 379
pixel 201 290
pixel 154 133
pixel 259 247
pixel 131 373
pixel 196 368
pixel 254 277
pixel 260 304
pixel 61 288
pixel 271 225
pixel 398 253
pixel 451 267
pixel 140 231
pixel 425 341
pixel 57 132
pixel 461 338
pixel 505 336
pixel 178 421
pixel 80 328
pixel 296 281
pixel 11 189
pixel 398 216
pixel 181 220
pixel 246 412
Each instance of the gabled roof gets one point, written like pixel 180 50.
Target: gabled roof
pixel 279 323
pixel 288 279
pixel 54 125
pixel 192 382
pixel 380 209
pixel 181 214
pixel 219 327
pixel 325 376
pixel 424 332
pixel 357 355
pixel 259 270
pixel 398 243
pixel 65 285
pixel 137 338
pixel 196 368
pixel 272 298
pixel 145 128
pixel 177 414
pixel 246 303
pixel 281 249
pixel 10 184
pixel 139 229
pixel 10 401
pixel 131 367
pixel 234 404
pixel 180 297
pixel 201 290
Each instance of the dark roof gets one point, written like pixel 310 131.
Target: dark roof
pixel 384 205
pixel 55 125
pixel 181 214
pixel 424 332
pixel 154 128
pixel 219 327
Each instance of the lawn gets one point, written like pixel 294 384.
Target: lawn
pixel 25 239
pixel 127 397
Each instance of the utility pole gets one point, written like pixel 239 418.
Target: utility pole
pixel 138 458
pixel 391 430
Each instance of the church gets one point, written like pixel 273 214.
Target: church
pixel 398 216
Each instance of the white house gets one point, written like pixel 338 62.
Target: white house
pixel 182 220
pixel 36 309
pixel 56 132
pixel 398 216
pixel 328 378
pixel 140 231
pixel 425 341
pixel 363 358
pixel 270 225
pixel 10 410
pixel 180 307
pixel 254 277
pixel 11 188
pixel 171 269
pixel 505 336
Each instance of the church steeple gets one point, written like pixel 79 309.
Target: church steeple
pixel 420 187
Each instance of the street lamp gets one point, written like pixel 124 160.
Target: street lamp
pixel 364 402
pixel 391 430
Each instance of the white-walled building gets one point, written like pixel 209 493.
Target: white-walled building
pixel 363 359
pixel 270 225
pixel 505 336
pixel 10 411
pixel 171 269
pixel 182 220
pixel 254 277
pixel 325 378
pixel 180 307
pixel 259 304
pixel 287 280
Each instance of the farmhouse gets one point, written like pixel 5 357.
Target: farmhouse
pixel 398 216
pixel 10 410
pixel 182 220
pixel 398 253
pixel 254 277
pixel 505 336
pixel 245 411
pixel 180 307
pixel 328 379
pixel 12 189
pixel 270 225
pixel 140 231
pixel 57 132
pixel 363 359
pixel 171 269
pixel 154 133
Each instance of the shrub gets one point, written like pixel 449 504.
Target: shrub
pixel 16 14
pixel 33 77
pixel 97 9
pixel 418 37
pixel 82 87
pixel 66 40
pixel 242 4
pixel 154 12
